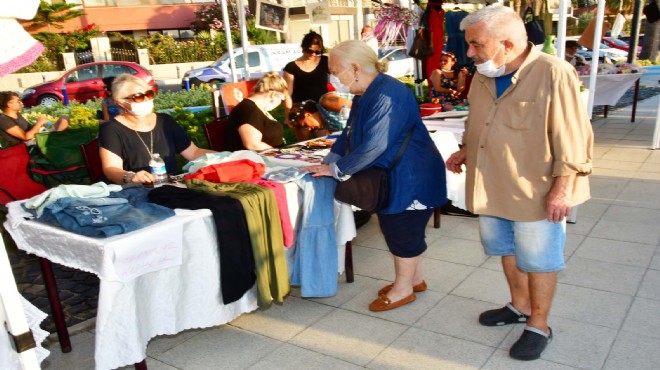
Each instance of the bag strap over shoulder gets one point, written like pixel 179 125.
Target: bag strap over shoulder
pixel 528 15
pixel 398 155
pixel 402 149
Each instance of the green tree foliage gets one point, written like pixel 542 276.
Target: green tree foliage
pixel 53 15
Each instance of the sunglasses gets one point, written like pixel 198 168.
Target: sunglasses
pixel 140 97
pixel 315 52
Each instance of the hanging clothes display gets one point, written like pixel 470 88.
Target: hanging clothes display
pixel 455 37
pixel 436 24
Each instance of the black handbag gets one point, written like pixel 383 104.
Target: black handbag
pixel 369 189
pixel 652 11
pixel 534 27
pixel 422 45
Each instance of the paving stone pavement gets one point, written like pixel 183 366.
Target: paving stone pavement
pixel 79 289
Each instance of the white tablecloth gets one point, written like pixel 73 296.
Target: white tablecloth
pixel 446 135
pixel 154 302
pixel 610 88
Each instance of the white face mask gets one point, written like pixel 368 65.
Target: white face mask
pixel 142 109
pixel 488 68
pixel 276 100
pixel 340 87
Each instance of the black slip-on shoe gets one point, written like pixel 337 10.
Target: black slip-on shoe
pixel 502 316
pixel 530 345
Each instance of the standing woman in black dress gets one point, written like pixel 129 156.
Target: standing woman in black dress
pixel 307 76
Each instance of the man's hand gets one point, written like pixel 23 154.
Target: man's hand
pixel 558 202
pixel 456 160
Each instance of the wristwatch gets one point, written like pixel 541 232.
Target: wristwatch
pixel 128 176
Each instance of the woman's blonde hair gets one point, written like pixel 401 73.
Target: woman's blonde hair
pixel 358 52
pixel 271 81
pixel 122 82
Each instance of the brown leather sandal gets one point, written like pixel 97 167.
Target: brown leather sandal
pixel 382 303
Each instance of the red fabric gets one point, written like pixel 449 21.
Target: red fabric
pixel 15 181
pixel 233 171
pixel 282 207
pixel 437 26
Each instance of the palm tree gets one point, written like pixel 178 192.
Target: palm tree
pixel 53 15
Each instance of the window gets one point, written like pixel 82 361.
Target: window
pixel 110 70
pixel 253 60
pixel 83 74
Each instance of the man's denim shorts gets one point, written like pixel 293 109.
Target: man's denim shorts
pixel 538 246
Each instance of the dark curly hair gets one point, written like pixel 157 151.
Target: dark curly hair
pixel 299 109
pixel 312 38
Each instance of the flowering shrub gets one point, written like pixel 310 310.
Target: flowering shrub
pixel 164 49
pixel 209 17
pixel 58 43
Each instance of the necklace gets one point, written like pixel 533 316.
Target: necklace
pixel 447 70
pixel 151 141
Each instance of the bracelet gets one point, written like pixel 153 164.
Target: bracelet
pixel 128 176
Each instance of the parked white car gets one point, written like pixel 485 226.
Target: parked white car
pixel 401 64
pixel 606 52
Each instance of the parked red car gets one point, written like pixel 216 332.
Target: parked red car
pixel 619 44
pixel 84 82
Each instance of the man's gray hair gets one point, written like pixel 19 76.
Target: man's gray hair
pixel 502 22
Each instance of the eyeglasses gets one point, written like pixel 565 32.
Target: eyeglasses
pixel 315 52
pixel 140 97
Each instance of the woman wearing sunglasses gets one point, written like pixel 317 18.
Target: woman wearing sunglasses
pixel 128 141
pixel 307 76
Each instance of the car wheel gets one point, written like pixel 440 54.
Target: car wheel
pixel 48 100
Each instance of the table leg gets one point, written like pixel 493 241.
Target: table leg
pixel 142 365
pixel 348 262
pixel 634 108
pixel 437 212
pixel 55 305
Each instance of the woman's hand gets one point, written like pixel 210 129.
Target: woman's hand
pixel 463 72
pixel 143 177
pixel 318 170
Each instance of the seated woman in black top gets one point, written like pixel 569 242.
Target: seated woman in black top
pixel 250 125
pixel 307 76
pixel 128 141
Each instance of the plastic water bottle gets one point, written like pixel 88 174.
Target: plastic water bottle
pixel 344 112
pixel 157 167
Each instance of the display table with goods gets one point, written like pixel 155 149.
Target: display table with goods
pixel 166 277
pixel 612 82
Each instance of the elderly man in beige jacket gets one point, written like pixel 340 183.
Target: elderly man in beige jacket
pixel 527 149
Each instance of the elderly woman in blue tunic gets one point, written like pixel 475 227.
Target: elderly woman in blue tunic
pixel 384 112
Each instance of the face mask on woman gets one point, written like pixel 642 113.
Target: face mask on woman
pixel 488 68
pixel 340 87
pixel 142 109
